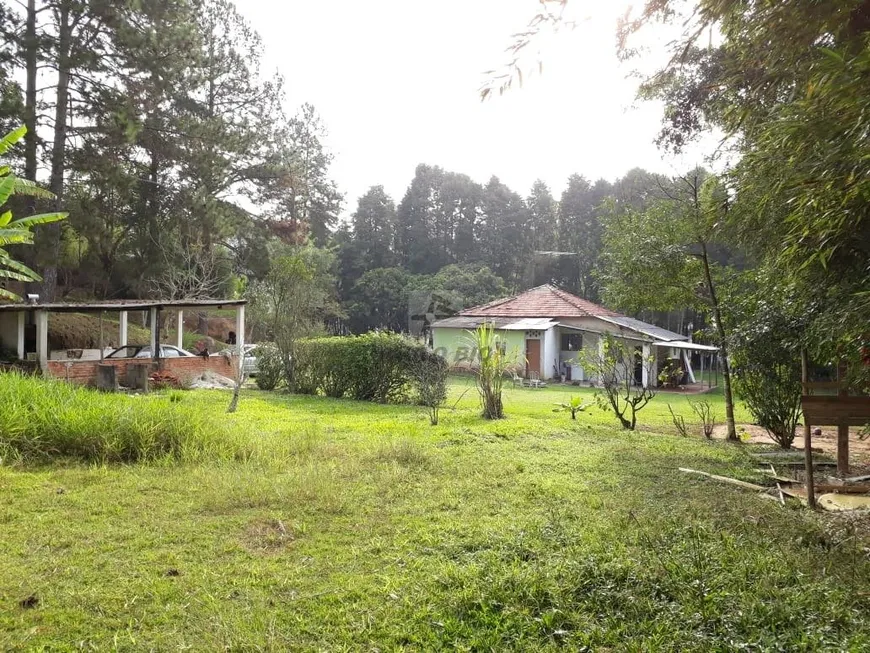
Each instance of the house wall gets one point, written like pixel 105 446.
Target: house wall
pixel 550 352
pixel 85 372
pixel 515 342
pixel 590 342
pixel 448 342
pixel 455 346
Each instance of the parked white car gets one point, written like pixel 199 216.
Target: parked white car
pixel 249 362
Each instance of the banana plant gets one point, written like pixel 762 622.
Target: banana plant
pixel 18 232
pixel 574 405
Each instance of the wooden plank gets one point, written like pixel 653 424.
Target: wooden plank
pixel 843 448
pixel 797 493
pixel 843 426
pixel 808 437
pixel 843 489
pixel 797 463
pixel 726 479
pixel 835 410
pixel 822 385
pixel 782 479
pixel 773 456
pixel 779 491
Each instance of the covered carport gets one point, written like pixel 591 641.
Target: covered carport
pixel 15 319
pixel 708 354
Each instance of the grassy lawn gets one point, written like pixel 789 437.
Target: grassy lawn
pixel 359 527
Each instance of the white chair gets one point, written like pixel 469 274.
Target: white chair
pixel 535 380
pixel 516 379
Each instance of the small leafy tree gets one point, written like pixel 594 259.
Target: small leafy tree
pixel 766 350
pixel 670 256
pixel 430 378
pixel 613 365
pixel 492 365
pixel 704 410
pixel 17 232
pixel 679 422
pixel 574 405
pixel 293 301
pixel 773 396
pixel 671 374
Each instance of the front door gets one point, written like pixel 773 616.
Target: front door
pixel 533 357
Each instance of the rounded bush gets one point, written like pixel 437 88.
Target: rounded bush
pixel 377 366
pixel 269 367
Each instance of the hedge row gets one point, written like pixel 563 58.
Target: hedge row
pixel 377 366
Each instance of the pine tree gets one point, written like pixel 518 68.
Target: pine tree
pixel 306 195
pixel 418 250
pixel 69 37
pixel 374 223
pixel 459 214
pixel 580 229
pixel 226 117
pixel 543 213
pixel 505 232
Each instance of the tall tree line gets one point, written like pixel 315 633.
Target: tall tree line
pixel 446 218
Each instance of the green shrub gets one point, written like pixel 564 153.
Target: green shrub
pixel 765 355
pixel 270 370
pixel 42 419
pixel 378 367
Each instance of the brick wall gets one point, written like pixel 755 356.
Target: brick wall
pixel 196 365
pixel 85 372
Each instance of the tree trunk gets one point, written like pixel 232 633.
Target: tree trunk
pixel 234 402
pixel 30 58
pixel 723 345
pixel 51 233
pixel 152 206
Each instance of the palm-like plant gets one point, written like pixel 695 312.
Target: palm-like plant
pixel 574 405
pixel 18 232
pixel 492 363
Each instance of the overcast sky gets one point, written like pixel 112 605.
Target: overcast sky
pixel 396 82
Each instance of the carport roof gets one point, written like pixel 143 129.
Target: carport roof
pixel 655 332
pixel 120 305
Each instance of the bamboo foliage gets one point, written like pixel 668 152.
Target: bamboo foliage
pixel 17 232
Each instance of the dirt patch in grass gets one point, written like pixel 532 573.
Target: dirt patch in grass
pixel 268 536
pixel 826 442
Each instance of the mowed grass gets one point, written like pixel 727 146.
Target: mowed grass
pixel 351 526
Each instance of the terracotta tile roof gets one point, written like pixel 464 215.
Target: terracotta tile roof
pixel 543 301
